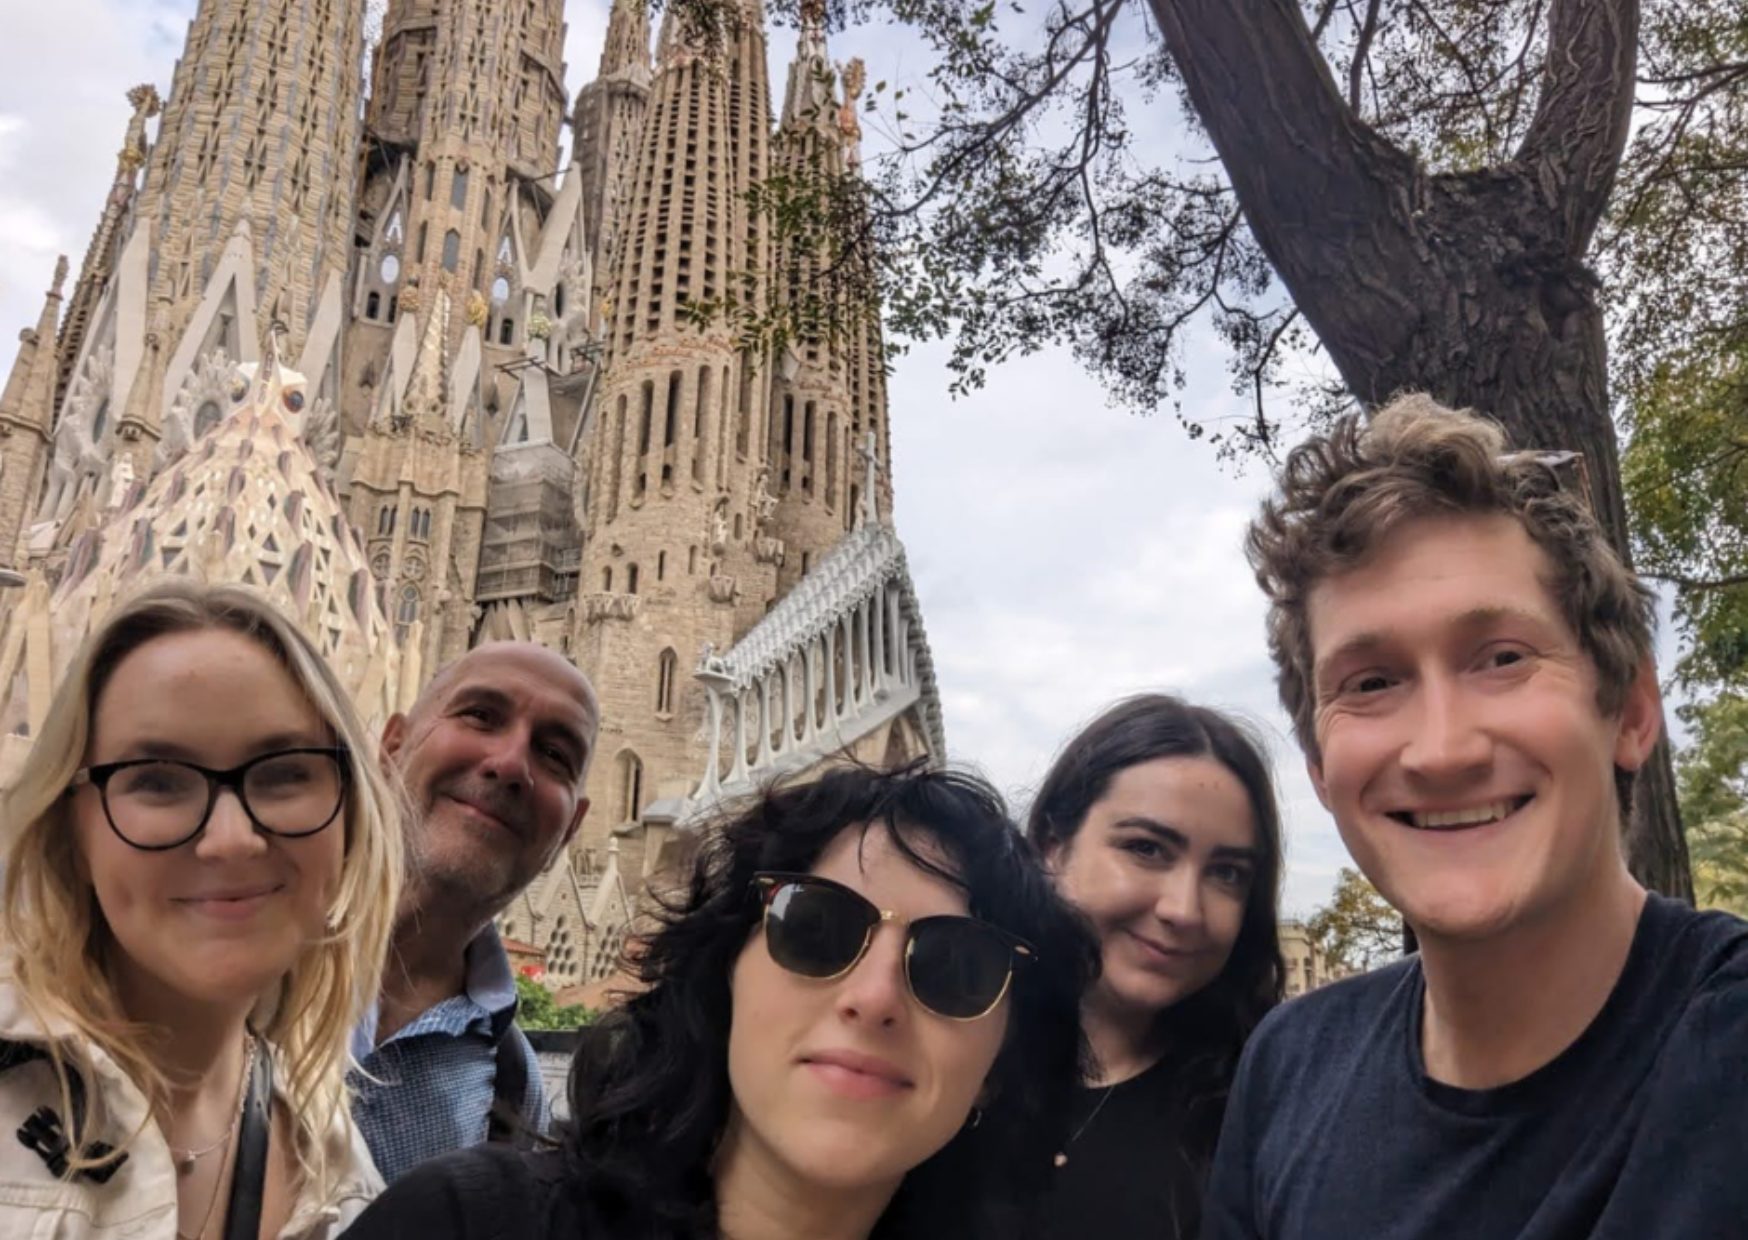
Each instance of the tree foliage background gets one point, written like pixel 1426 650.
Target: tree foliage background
pixel 1356 930
pixel 538 1009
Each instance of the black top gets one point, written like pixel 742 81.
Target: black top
pixel 1126 1176
pixel 488 1192
pixel 1635 1131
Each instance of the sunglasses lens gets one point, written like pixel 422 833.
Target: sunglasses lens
pixel 958 967
pixel 815 931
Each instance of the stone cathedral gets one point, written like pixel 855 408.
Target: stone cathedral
pixel 357 338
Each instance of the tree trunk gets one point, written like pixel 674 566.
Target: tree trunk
pixel 1471 286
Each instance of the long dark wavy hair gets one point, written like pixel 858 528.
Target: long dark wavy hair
pixel 649 1086
pixel 1203 1032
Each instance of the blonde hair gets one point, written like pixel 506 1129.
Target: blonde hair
pixel 54 928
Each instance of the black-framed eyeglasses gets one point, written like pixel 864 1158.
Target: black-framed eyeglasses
pixel 956 967
pixel 156 804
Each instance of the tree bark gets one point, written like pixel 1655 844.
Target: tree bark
pixel 1468 286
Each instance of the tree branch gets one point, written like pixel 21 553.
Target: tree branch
pixel 1579 131
pixel 1324 194
pixel 1699 583
pixel 1362 49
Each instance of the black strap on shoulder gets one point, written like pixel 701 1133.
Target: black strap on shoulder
pixel 507 1122
pixel 249 1179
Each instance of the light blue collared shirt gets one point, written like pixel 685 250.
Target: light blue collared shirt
pixel 433 1086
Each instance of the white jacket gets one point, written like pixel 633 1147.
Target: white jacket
pixel 139 1201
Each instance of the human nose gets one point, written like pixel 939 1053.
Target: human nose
pixel 1446 740
pixel 1179 899
pixel 509 758
pixel 874 991
pixel 229 833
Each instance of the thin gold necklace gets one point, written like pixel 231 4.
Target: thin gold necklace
pixel 189 1157
pixel 1061 1159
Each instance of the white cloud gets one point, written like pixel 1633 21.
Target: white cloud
pixel 1066 553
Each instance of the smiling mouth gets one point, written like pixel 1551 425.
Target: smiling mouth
pixel 1158 951
pixel 232 903
pixel 1463 819
pixel 482 812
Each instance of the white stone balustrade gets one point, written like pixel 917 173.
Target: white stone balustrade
pixel 843 653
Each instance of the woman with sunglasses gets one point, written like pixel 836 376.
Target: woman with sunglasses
pixel 1158 822
pixel 201 865
pixel 860 1020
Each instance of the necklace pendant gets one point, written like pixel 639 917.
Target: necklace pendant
pixel 184 1163
pixel 1061 1159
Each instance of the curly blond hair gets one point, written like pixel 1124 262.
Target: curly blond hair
pixel 1340 495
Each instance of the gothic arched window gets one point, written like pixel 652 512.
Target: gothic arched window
pixel 205 418
pixel 373 305
pixel 667 671
pixel 630 787
pixel 451 250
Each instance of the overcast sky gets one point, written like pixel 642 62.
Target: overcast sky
pixel 1066 552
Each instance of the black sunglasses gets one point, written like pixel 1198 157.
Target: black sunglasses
pixel 156 804
pixel 956 967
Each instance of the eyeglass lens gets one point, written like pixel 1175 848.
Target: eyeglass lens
pixel 956 966
pixel 161 803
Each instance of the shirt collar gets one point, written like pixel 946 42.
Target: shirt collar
pixel 490 984
pixel 488 987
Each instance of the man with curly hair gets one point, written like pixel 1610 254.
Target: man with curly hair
pixel 1468 668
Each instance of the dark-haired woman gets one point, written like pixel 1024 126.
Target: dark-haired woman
pixel 861 1019
pixel 1159 823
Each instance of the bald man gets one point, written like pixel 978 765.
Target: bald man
pixel 494 756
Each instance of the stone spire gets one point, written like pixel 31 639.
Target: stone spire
pixel 465 112
pixel 426 404
pixel 808 101
pixel 608 121
pixel 99 264
pixel 260 122
pixel 626 51
pixel 28 396
pixel 27 408
pixel 816 428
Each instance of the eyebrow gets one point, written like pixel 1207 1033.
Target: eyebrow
pixel 1367 642
pixel 1171 835
pixel 564 729
pixel 477 693
pixel 171 751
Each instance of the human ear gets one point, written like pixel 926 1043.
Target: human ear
pixel 394 735
pixel 1641 719
pixel 1314 768
pixel 576 820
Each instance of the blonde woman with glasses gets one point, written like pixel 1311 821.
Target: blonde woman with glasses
pixel 201 863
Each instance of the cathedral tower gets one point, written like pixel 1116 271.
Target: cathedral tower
pixel 816 425
pixel 418 497
pixel 462 147
pixel 607 125
pixel 676 553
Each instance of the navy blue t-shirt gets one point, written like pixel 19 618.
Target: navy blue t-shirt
pixel 1639 1129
